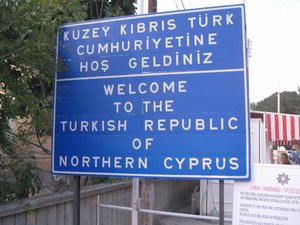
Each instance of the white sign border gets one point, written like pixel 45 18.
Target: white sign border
pixel 182 176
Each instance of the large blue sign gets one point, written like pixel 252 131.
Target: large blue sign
pixel 160 95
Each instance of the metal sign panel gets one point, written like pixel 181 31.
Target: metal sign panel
pixel 159 95
pixel 271 197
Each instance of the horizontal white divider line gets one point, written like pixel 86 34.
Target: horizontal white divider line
pixel 152 74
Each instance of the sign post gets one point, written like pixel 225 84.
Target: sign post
pixel 221 204
pixel 161 96
pixel 76 200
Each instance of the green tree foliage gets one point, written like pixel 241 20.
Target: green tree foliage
pixel 18 179
pixel 289 103
pixel 108 8
pixel 28 32
pixel 27 48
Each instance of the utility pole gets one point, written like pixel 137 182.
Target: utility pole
pixel 147 185
pixel 152 6
pixel 278 102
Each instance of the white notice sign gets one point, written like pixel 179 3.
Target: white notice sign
pixel 272 197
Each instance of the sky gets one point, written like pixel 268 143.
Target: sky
pixel 273 26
